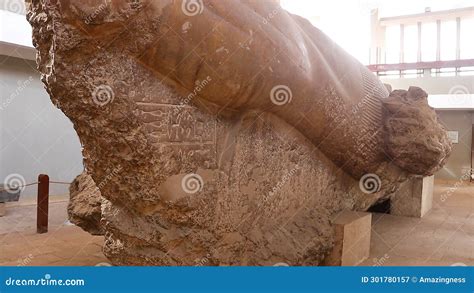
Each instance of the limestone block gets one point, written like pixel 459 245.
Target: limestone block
pixel 85 204
pixel 352 239
pixel 414 198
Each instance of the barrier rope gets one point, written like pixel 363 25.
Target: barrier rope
pixel 30 184
pixel 60 182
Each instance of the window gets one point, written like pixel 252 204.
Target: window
pixel 448 40
pixel 467 39
pixel 447 72
pixel 392 43
pixel 428 41
pixel 410 44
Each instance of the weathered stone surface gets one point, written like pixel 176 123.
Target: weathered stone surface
pixel 414 139
pixel 229 136
pixel 84 208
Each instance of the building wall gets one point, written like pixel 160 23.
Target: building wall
pixel 35 136
pixel 460 160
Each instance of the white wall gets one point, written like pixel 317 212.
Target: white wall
pixel 35 137
pixel 459 163
pixel 15 33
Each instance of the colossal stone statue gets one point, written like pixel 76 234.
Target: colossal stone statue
pixel 223 132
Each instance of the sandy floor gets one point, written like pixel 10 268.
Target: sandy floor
pixel 445 236
pixel 63 245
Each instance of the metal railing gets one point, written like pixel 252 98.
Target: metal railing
pixel 42 206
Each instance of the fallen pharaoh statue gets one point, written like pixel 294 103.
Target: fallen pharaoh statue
pixel 223 132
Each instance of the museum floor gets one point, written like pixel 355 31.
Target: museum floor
pixel 444 237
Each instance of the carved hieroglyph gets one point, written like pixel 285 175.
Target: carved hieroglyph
pixel 224 132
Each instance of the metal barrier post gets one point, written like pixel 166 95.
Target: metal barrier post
pixel 43 204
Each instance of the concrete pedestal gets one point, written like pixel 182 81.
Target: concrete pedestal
pixel 352 243
pixel 414 198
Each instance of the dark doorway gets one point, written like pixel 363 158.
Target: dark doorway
pixel 382 207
